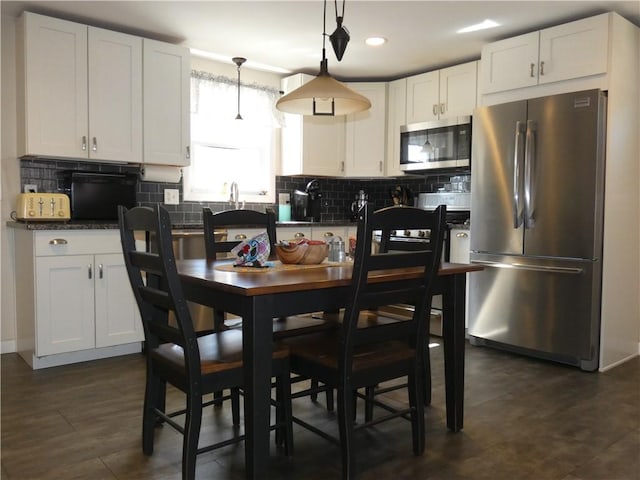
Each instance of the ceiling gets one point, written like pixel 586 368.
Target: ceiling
pixel 288 34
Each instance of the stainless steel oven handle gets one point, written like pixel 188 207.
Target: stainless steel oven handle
pixel 533 268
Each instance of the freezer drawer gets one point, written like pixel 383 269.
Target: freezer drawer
pixel 548 308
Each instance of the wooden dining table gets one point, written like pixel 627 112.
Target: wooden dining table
pixel 259 295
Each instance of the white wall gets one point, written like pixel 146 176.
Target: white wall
pixel 10 185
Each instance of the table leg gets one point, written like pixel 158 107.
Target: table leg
pixel 454 343
pixel 257 329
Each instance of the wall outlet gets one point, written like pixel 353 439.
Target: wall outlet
pixel 30 188
pixel 171 196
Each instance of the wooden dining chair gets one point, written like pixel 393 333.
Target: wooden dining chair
pixel 232 219
pixel 175 354
pixel 283 327
pixel 353 357
pixel 373 318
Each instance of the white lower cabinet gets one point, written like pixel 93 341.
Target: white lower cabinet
pixel 64 304
pixel 75 300
pixel 292 233
pixel 117 315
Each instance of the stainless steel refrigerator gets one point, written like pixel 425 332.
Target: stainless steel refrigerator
pixel 536 226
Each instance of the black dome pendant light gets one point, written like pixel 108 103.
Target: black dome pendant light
pixel 238 61
pixel 340 37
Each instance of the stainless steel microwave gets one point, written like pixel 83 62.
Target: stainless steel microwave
pixel 436 144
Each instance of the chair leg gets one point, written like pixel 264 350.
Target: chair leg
pixel 416 401
pixel 369 393
pixel 328 394
pixel 192 425
pixel 346 414
pixel 330 402
pixel 235 406
pixel 284 434
pixel 153 398
pixel 426 362
pixel 217 396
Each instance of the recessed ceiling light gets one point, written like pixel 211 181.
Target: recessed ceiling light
pixel 375 41
pixel 479 26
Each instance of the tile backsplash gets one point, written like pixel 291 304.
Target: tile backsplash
pixel 338 193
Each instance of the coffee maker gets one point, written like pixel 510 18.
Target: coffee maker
pixel 361 200
pixel 315 201
pixel 299 204
pixel 306 206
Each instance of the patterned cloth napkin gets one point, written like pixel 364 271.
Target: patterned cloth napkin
pixel 253 252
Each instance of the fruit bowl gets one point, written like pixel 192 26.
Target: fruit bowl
pixel 302 252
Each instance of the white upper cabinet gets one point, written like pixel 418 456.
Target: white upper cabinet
pixel 573 50
pixel 367 133
pixel 445 93
pixel 53 70
pixel 166 105
pixel 423 97
pixel 81 89
pixel 396 117
pixel 115 96
pixel 311 145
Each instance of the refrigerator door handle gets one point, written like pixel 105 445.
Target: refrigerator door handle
pixel 529 184
pixel 517 198
pixel 535 268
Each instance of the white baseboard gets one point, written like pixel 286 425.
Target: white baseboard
pixel 8 346
pixel 80 356
pixel 620 362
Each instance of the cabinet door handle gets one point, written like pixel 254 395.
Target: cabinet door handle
pixel 94 145
pixel 240 236
pixel 380 166
pixel 461 235
pixel 299 235
pixel 188 151
pixel 90 271
pixel 84 143
pixel 442 109
pixel 435 109
pixel 541 68
pixel 342 166
pixel 532 66
pixel 58 241
pixel 100 271
pixel 328 234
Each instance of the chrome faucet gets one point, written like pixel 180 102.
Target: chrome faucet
pixel 233 198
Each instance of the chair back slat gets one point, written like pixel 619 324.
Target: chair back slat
pixel 155 282
pixel 367 292
pixel 226 219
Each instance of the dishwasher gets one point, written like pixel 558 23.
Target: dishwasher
pixel 189 243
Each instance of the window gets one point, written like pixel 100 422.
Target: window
pixel 226 150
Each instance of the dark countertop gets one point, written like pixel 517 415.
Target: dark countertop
pixel 107 225
pixel 69 225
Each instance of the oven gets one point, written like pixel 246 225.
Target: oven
pixel 458 215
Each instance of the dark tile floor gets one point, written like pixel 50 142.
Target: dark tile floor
pixel 525 419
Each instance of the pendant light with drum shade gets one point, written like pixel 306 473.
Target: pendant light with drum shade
pixel 324 95
pixel 238 61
